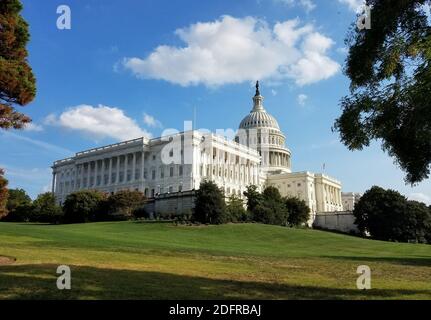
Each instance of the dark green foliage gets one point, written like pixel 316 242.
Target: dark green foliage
pixel 140 213
pixel 271 209
pixel 299 212
pixel 253 197
pixel 83 206
pixel 390 73
pixel 210 205
pixel 387 215
pixel 19 206
pixel 4 194
pixel 235 209
pixel 124 202
pixel 45 209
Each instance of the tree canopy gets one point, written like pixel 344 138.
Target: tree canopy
pixel 210 205
pixel 4 193
pixel 387 215
pixel 17 82
pixel 390 73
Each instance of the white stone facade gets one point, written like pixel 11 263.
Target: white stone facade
pixel 180 162
pixel 350 199
pixel 164 165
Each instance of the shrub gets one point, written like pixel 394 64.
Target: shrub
pixel 4 194
pixel 235 209
pixel 271 209
pixel 253 198
pixel 45 209
pixel 19 206
pixel 83 206
pixel 124 202
pixel 299 212
pixel 210 205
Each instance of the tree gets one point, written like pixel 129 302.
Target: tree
pixel 299 212
pixel 235 209
pixel 390 73
pixel 387 215
pixel 83 206
pixel 210 205
pixel 17 82
pixel 271 210
pixel 19 206
pixel 45 209
pixel 3 195
pixel 419 222
pixel 125 202
pixel 253 197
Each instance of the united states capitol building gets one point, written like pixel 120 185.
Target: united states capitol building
pixel 168 169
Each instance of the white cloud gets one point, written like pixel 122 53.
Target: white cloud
pixel 354 5
pixel 421 197
pixel 151 121
pixel 33 127
pixel 308 5
pixel 99 122
pixel 235 50
pixel 302 98
pixel 274 92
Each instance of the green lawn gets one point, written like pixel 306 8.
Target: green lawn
pixel 132 260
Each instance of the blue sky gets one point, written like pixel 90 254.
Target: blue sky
pixel 130 68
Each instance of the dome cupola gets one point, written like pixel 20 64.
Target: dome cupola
pixel 258 117
pixel 260 130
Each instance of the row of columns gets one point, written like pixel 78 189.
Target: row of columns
pixel 334 195
pixel 279 159
pixel 106 167
pixel 250 173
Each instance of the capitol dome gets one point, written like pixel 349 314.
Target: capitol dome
pixel 258 117
pixel 260 130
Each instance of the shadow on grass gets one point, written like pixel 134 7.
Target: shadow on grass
pixel 417 261
pixel 39 282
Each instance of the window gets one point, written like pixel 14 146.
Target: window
pixel 162 172
pixel 180 170
pixel 180 188
pixel 154 157
pixel 171 171
pixel 153 174
pixel 171 153
pixel 171 189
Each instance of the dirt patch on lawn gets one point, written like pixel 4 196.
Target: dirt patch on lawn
pixel 6 260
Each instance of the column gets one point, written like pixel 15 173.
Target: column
pixel 102 173
pixel 126 166
pixel 142 165
pixel 110 172
pixel 53 183
pixel 133 167
pixel 96 168
pixel 88 174
pixel 117 177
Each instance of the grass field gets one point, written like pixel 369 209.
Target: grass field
pixel 132 260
